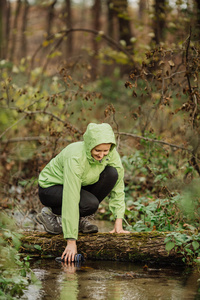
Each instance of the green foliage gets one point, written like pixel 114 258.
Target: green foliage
pixel 186 244
pixel 189 201
pixel 149 169
pixel 155 214
pixel 15 274
pixel 109 56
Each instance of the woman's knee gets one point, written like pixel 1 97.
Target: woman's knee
pixel 88 203
pixel 111 173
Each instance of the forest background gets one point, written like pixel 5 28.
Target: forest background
pixel 133 64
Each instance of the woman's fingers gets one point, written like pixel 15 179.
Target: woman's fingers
pixel 70 252
pixel 69 257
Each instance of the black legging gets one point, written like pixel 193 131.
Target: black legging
pixel 90 195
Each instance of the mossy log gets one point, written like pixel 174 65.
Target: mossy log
pixel 143 247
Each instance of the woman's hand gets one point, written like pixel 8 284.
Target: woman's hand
pixel 118 227
pixel 70 251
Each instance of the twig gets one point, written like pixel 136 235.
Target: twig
pixel 192 95
pixel 194 163
pixel 195 109
pixel 29 139
pixel 23 139
pixel 55 117
pixel 154 141
pixel 7 129
pixel 95 32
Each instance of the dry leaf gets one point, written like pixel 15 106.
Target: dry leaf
pixel 171 63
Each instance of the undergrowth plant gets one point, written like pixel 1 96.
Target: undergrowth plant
pixel 15 272
pixel 186 244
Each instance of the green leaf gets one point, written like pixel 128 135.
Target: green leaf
pixel 189 251
pixel 195 245
pixel 169 246
pixel 16 242
pixel 38 247
pixel 23 272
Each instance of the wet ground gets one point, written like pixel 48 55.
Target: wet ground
pixel 106 280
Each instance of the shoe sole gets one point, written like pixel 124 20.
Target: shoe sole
pixel 40 221
pixel 89 231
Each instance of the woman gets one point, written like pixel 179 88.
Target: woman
pixel 75 182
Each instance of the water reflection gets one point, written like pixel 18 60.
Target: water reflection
pixel 111 281
pixel 69 284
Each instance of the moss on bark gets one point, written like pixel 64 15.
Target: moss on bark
pixel 134 247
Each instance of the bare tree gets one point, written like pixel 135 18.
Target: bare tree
pixel 119 9
pixel 50 17
pixel 159 20
pixel 110 18
pixel 14 30
pixel 23 51
pixel 69 26
pixel 124 22
pixel 197 9
pixel 141 9
pixel 96 12
pixel 4 27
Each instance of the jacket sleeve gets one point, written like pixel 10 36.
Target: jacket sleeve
pixel 117 195
pixel 71 198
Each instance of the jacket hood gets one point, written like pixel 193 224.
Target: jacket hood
pixel 97 134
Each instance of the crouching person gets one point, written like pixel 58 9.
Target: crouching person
pixel 73 184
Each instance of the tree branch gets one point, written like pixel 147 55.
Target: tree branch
pixel 29 139
pixel 66 123
pixel 192 95
pixel 92 31
pixel 154 141
pixel 7 129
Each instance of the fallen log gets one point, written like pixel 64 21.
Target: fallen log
pixel 145 247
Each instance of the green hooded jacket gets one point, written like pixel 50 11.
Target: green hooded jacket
pixel 75 167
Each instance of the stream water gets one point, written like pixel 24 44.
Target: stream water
pixel 106 280
pixel 110 280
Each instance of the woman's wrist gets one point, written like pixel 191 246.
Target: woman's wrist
pixel 71 241
pixel 118 225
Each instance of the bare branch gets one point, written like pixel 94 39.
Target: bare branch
pixel 66 123
pixel 154 141
pixel 7 129
pixel 92 31
pixel 23 139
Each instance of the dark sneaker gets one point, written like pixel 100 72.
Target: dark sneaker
pixel 49 220
pixel 86 227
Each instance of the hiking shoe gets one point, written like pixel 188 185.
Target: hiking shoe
pixel 59 220
pixel 86 227
pixel 49 220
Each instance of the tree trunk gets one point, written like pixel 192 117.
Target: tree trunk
pixel 69 25
pixel 23 51
pixel 50 17
pixel 96 11
pixel 3 37
pixel 134 247
pixel 14 30
pixel 142 10
pixel 7 27
pixel 124 23
pixel 197 9
pixel 110 19
pixel 159 20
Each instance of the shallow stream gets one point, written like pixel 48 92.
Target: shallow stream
pixel 111 280
pixel 106 280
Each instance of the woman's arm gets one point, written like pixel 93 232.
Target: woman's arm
pixel 70 251
pixel 118 227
